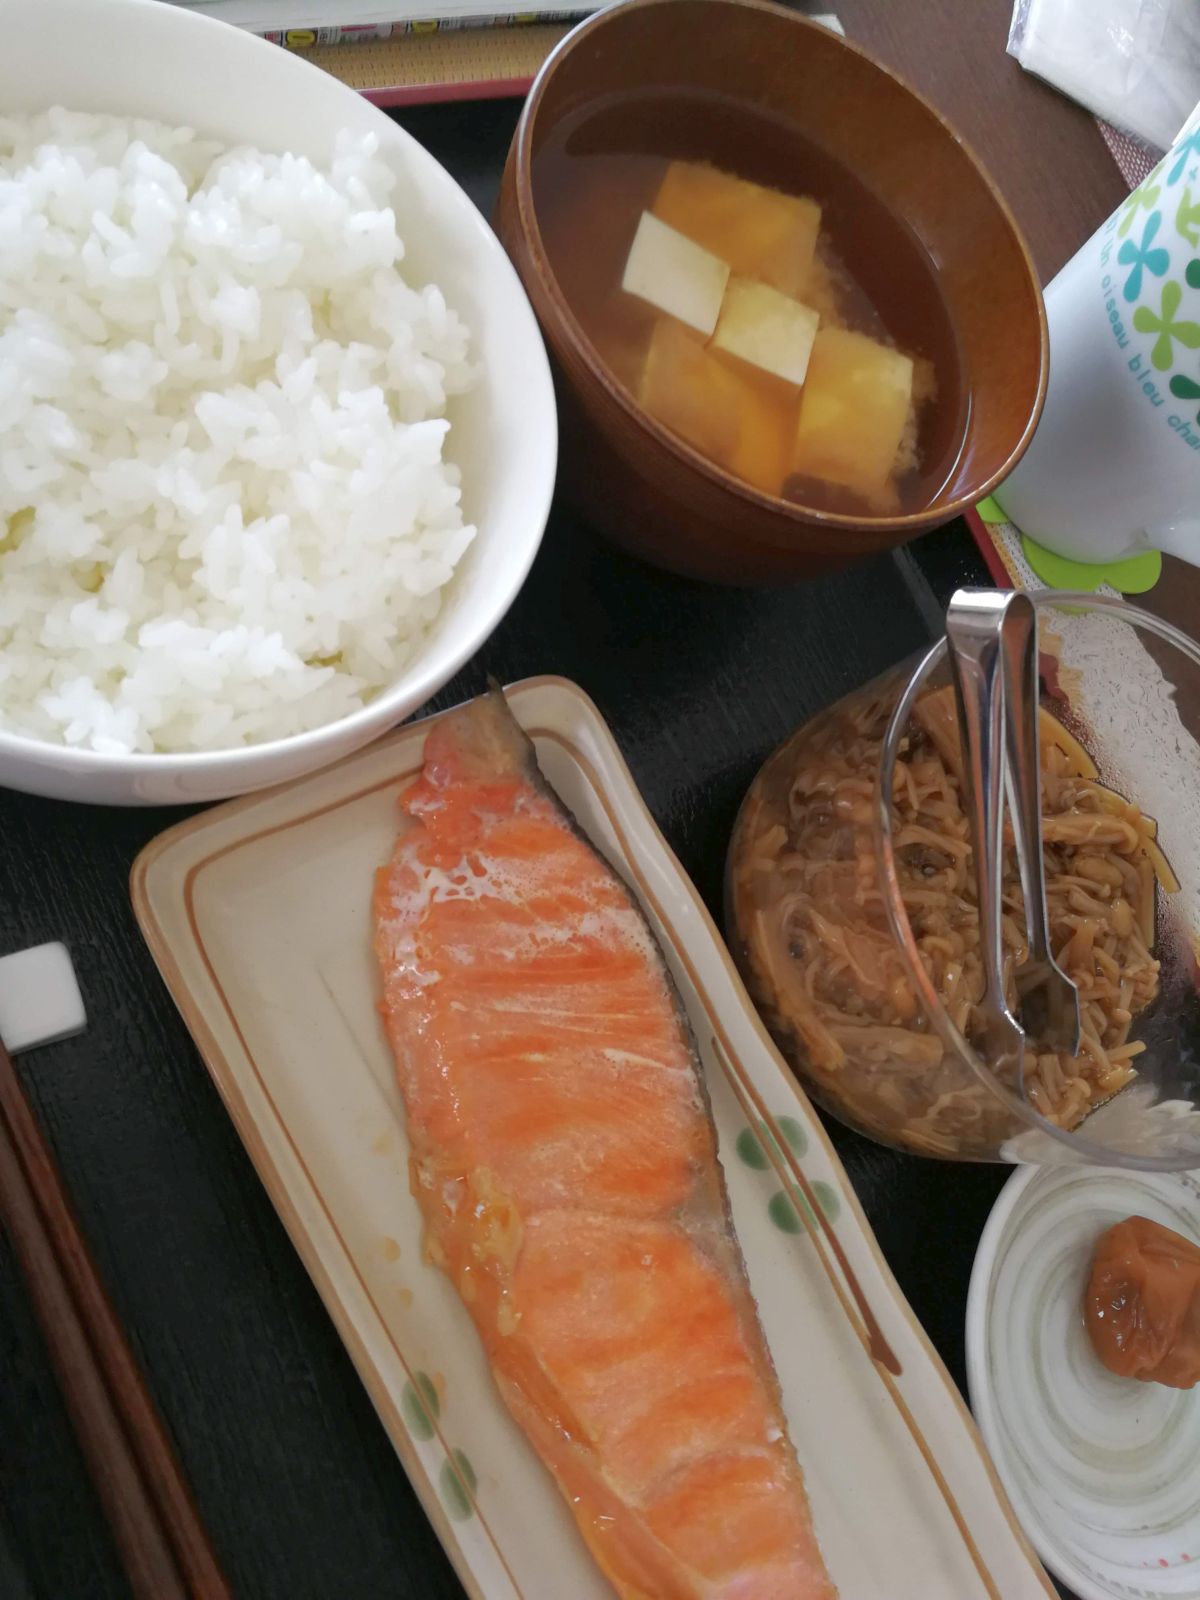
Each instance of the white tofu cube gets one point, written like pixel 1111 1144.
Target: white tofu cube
pixel 671 273
pixel 767 329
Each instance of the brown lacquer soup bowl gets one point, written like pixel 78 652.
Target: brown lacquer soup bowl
pixel 921 229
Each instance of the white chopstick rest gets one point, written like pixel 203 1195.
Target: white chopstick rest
pixel 39 998
pixel 675 274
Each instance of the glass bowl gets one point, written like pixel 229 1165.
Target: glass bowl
pixel 851 905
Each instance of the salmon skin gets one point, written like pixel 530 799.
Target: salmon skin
pixel 565 1162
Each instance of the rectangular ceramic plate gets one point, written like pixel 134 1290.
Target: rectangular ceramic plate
pixel 258 916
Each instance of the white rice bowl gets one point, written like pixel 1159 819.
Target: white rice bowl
pixel 228 509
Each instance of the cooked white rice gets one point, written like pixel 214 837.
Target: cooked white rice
pixel 225 515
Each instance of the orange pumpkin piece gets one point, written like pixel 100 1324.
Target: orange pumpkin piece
pixel 762 233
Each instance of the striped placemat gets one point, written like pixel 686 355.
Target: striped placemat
pixel 431 63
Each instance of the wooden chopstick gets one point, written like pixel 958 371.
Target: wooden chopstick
pixel 115 1472
pixel 154 1519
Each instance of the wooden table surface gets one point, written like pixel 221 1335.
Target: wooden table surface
pixel 299 1485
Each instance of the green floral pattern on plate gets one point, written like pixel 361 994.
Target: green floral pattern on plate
pixel 782 1208
pixel 457 1482
pixel 420 1404
pixel 421 1408
pixel 752 1146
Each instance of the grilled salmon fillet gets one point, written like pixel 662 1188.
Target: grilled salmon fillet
pixel 565 1162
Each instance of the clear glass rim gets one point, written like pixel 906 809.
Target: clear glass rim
pixel 952 1037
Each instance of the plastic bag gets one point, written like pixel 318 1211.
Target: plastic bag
pixel 1136 63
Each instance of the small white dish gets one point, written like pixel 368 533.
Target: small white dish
pixel 146 59
pixel 1102 1471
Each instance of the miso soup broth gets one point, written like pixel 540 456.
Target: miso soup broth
pixel 757 299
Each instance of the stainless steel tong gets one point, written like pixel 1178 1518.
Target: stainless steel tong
pixel 992 640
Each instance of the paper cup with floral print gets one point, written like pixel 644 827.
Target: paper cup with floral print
pixel 1114 467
